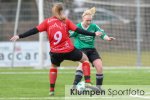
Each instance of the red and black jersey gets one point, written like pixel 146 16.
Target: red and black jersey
pixel 58 34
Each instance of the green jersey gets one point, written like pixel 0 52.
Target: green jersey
pixel 84 41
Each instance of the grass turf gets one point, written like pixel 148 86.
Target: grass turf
pixel 28 82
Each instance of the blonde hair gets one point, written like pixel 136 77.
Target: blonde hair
pixel 89 12
pixel 57 11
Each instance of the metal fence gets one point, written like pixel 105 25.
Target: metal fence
pixel 126 20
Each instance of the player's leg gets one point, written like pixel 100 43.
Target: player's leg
pixel 56 59
pixel 99 72
pixel 86 68
pixel 97 62
pixel 52 78
pixel 77 55
pixel 78 74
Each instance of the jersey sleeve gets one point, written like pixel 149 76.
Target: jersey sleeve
pixel 100 30
pixel 43 26
pixel 73 33
pixel 71 25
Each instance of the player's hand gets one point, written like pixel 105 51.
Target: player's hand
pixel 98 33
pixel 111 38
pixel 14 38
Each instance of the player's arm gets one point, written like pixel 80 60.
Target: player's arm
pixel 104 36
pixel 29 33
pixel 84 32
pixel 72 34
pixel 41 27
pixel 26 34
pixel 73 27
pixel 80 31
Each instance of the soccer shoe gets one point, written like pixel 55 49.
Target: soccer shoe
pixel 90 86
pixel 100 88
pixel 51 93
pixel 74 87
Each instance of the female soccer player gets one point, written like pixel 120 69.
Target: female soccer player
pixel 86 45
pixel 57 28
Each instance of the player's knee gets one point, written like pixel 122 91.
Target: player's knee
pixel 86 62
pixel 84 58
pixel 79 67
pixel 97 63
pixel 99 69
pixel 54 66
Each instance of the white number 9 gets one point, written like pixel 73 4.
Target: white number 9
pixel 57 37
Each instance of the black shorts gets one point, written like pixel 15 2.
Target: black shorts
pixel 57 58
pixel 91 53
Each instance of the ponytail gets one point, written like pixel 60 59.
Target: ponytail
pixel 89 12
pixel 57 11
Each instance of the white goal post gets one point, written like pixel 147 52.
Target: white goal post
pixel 42 35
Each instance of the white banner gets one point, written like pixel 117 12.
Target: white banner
pixel 26 54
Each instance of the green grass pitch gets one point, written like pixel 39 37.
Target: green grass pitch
pixel 29 84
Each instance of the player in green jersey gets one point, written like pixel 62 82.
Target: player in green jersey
pixel 86 45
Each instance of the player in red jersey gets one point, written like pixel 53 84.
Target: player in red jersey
pixel 62 48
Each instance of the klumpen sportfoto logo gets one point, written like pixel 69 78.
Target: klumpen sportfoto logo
pixel 107 92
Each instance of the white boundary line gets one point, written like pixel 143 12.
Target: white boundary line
pixel 142 97
pixel 69 98
pixel 66 72
pixel 74 67
pixel 108 68
pixel 147 93
pixel 32 98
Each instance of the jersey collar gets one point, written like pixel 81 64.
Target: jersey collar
pixel 84 27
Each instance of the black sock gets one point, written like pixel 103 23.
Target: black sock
pixel 99 80
pixel 78 77
pixel 87 79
